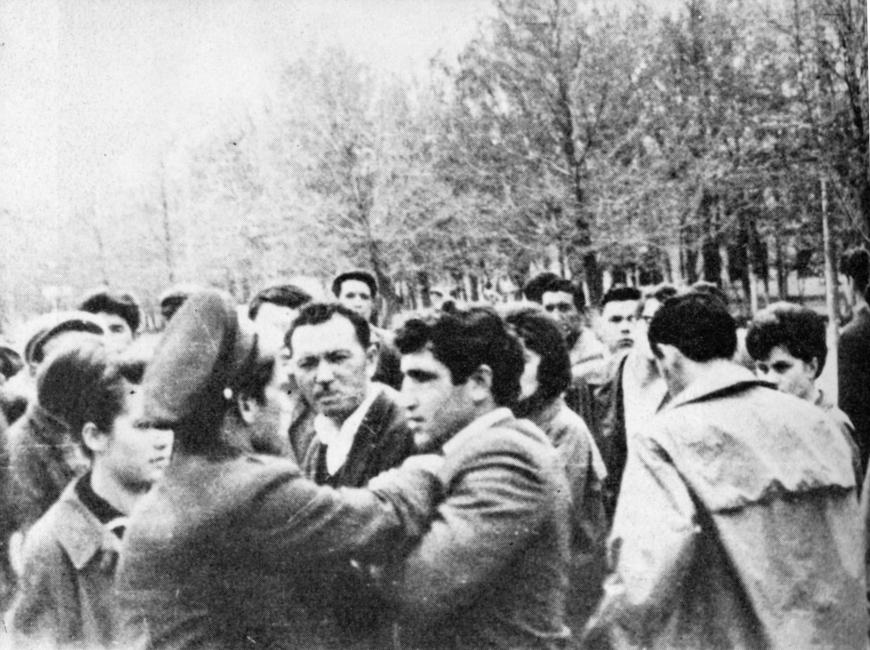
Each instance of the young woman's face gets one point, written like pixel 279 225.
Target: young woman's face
pixel 136 456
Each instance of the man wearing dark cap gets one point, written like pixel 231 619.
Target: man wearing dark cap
pixel 358 290
pixel 220 553
pixel 119 312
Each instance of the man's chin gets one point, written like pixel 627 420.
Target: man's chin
pixel 425 443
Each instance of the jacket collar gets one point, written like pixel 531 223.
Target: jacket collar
pixel 81 534
pixel 721 375
pixel 482 423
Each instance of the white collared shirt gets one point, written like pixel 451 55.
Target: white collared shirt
pixel 477 425
pixel 339 439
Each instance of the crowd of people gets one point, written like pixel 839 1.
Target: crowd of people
pixel 547 473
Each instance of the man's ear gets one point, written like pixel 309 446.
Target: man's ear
pixel 372 358
pixel 814 366
pixel 94 439
pixel 248 408
pixel 480 384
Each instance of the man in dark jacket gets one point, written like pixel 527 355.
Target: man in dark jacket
pixel 853 352
pixel 491 571
pixel 359 431
pixel 221 552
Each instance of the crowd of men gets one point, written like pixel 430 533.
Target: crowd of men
pixel 543 474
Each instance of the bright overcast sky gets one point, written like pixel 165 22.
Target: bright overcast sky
pixel 92 92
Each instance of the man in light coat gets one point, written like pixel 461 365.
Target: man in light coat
pixel 737 523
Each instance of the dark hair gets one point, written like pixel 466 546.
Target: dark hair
pixel 620 293
pixel 118 303
pixel 541 335
pixel 252 383
pixel 84 383
pixel 660 292
pixel 799 329
pixel 463 341
pixel 534 288
pixel 361 276
pixel 284 295
pixel 10 361
pixel 697 324
pixel 172 299
pixel 315 313
pixel 855 264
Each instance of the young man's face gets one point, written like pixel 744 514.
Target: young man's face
pixel 436 408
pixel 356 296
pixel 788 373
pixel 268 433
pixel 617 324
pixel 560 305
pixel 118 333
pixel 331 366
pixel 135 456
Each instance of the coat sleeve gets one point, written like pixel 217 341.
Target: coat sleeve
pixel 495 504
pixel 46 603
pixel 651 547
pixel 300 518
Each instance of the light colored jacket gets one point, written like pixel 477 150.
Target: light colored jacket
pixel 737 527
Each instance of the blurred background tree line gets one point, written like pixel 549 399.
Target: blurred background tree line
pixel 616 144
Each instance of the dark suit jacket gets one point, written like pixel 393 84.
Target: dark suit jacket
pixel 221 553
pixel 383 441
pixel 853 378
pixel 491 571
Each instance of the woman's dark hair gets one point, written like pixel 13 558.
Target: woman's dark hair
pixel 540 334
pixel 84 382
pixel 798 329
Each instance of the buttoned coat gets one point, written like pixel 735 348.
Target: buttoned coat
pixel 737 526
pixel 491 571
pixel 66 593
pixel 222 552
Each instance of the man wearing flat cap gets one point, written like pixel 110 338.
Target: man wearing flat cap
pixel 221 553
pixel 358 290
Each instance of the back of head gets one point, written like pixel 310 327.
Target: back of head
pixel 697 324
pixel 119 303
pixel 283 295
pixel 463 341
pixel 798 329
pixel 315 313
pixel 855 264
pixel 540 334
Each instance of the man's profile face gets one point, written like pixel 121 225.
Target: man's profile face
pixel 118 333
pixel 356 296
pixel 331 366
pixel 268 435
pixel 560 305
pixel 436 408
pixel 788 373
pixel 617 324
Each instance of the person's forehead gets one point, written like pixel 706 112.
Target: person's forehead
pixel 779 353
pixel 356 287
pixel 270 310
pixel 556 297
pixel 109 317
pixel 620 307
pixel 336 333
